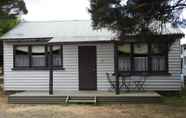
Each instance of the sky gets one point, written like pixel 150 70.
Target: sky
pixel 57 10
pixel 47 10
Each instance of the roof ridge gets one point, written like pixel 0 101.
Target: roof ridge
pixel 54 21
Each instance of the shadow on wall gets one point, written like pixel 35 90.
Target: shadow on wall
pixel 1 52
pixel 1 74
pixel 1 62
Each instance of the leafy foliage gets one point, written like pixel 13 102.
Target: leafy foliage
pixel 10 10
pixel 127 17
pixel 6 25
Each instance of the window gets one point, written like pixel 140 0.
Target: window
pixel 21 56
pixel 184 60
pixel 37 56
pixel 142 57
pixel 158 52
pixel 57 55
pixel 124 57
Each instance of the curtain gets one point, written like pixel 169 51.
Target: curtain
pixel 158 63
pixel 21 60
pixel 141 63
pixel 38 60
pixel 124 64
pixel 56 60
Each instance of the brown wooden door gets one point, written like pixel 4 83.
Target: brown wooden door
pixel 87 68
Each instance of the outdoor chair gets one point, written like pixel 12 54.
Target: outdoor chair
pixel 139 81
pixel 122 81
pixel 112 80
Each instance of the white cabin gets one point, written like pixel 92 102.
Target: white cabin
pixel 82 57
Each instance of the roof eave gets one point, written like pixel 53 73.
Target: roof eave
pixel 43 39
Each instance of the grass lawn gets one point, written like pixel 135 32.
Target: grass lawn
pixel 177 100
pixel 171 107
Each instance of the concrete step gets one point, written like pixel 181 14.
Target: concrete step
pixel 81 101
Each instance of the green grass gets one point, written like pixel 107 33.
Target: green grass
pixel 1 81
pixel 175 99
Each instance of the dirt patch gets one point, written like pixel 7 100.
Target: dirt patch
pixel 90 111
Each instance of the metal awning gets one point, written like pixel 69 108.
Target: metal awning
pixel 75 39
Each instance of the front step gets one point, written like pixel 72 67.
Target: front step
pixel 81 99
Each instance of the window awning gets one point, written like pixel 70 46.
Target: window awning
pixel 74 39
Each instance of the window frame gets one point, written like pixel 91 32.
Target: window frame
pixel 61 55
pixel 46 53
pixel 133 55
pixel 164 53
pixel 14 56
pixel 128 55
pixel 31 58
pixel 148 55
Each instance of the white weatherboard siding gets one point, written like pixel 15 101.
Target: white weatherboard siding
pixel 160 83
pixel 105 64
pixel 183 56
pixel 68 79
pixel 22 80
pixel 63 79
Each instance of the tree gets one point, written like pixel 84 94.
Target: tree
pixel 126 17
pixel 10 10
pixel 6 25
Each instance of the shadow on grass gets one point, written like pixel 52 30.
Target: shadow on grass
pixel 177 99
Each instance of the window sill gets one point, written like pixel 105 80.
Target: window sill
pixel 146 73
pixel 37 68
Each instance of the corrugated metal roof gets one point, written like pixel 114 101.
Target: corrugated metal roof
pixel 67 31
